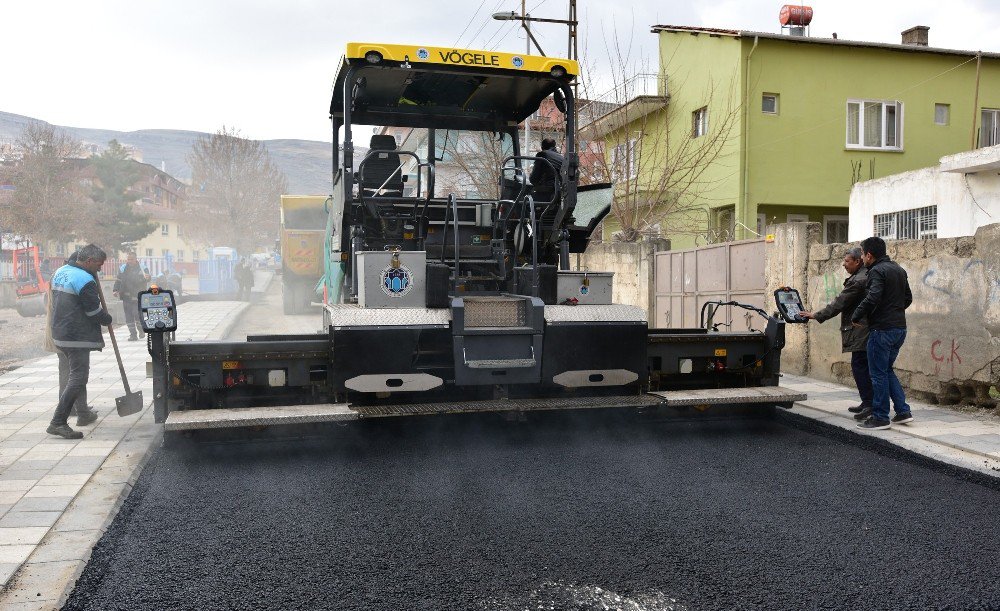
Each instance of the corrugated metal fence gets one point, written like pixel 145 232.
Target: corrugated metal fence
pixel 686 279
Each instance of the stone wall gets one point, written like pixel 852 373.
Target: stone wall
pixel 633 264
pixel 952 349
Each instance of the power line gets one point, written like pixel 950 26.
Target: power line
pixel 486 22
pixel 476 14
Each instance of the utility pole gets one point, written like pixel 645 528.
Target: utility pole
pixel 527 39
pixel 573 53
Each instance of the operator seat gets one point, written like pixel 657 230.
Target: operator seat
pixel 382 166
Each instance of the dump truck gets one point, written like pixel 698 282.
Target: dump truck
pixel 438 301
pixel 303 225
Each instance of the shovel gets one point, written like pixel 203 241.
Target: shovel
pixel 131 403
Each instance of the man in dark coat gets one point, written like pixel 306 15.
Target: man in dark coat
pixel 77 319
pixel 542 178
pixel 244 278
pixel 853 339
pixel 131 281
pixel 884 306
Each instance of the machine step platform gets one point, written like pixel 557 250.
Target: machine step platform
pixel 340 412
pixel 729 396
pixel 504 405
pixel 224 418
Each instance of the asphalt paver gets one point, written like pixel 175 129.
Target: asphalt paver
pixel 596 510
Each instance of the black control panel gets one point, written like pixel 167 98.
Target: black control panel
pixel 789 304
pixel 157 310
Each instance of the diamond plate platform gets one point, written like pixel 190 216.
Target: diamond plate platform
pixel 195 419
pixel 729 396
pixel 594 313
pixel 414 409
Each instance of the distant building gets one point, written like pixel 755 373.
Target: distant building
pixel 809 117
pixel 158 195
pixel 952 199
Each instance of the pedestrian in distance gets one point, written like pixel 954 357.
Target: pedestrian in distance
pixel 543 179
pixel 244 279
pixel 131 281
pixel 852 339
pixel 77 319
pixel 887 297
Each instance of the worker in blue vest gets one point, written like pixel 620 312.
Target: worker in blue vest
pixel 77 320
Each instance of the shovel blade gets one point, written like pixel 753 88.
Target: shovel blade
pixel 129 404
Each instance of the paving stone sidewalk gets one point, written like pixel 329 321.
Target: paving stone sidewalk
pixel 57 496
pixel 937 432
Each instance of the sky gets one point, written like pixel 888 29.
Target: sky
pixel 266 67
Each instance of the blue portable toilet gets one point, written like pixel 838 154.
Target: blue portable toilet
pixel 216 273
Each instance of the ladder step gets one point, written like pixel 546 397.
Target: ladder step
pixel 223 418
pixel 730 396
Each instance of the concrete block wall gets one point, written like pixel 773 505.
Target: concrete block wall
pixel 633 264
pixel 952 349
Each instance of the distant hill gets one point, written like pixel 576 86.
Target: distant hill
pixel 306 163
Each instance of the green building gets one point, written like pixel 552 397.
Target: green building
pixel 771 128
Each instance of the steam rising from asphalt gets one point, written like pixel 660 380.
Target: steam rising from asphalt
pixel 559 596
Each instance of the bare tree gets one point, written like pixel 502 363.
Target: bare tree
pixel 235 192
pixel 477 158
pixel 50 197
pixel 660 159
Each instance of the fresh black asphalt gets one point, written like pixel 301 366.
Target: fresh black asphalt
pixel 565 511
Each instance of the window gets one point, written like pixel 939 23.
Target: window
pixel 180 230
pixel 165 229
pixel 989 133
pixel 872 124
pixel 625 161
pixel 761 224
pixel 149 252
pixel 699 122
pixel 834 229
pixel 180 255
pixel 915 224
pixel 942 113
pixel 196 255
pixel 61 249
pixel 769 104
pixel 165 253
pixel 723 224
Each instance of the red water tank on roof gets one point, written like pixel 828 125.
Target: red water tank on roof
pixel 795 15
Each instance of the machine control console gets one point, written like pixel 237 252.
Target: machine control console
pixel 789 304
pixel 157 310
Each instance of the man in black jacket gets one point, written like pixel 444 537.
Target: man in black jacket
pixel 885 308
pixel 852 339
pixel 131 281
pixel 542 178
pixel 77 318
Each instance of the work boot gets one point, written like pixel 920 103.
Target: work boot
pixel 63 430
pixel 85 418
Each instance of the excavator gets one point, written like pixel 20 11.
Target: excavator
pixel 32 281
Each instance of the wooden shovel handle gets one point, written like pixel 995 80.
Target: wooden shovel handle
pixel 114 342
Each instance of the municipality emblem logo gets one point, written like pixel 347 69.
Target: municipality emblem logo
pixel 518 62
pixel 423 54
pixel 396 281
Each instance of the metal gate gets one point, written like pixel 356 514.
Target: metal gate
pixel 686 279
